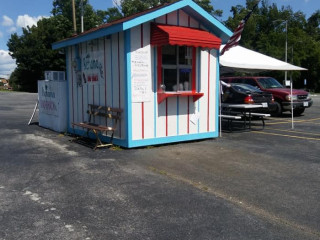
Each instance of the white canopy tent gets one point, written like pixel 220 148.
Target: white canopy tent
pixel 240 59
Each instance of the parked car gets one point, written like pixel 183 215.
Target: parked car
pixel 282 95
pixel 247 94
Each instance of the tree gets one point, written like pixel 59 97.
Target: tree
pixel 110 15
pixel 33 49
pixel 33 54
pixel 265 32
pixel 130 7
pixel 64 8
pixel 313 25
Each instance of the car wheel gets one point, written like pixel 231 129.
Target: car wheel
pixel 298 111
pixel 278 111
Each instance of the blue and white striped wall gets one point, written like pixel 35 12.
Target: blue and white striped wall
pixel 143 123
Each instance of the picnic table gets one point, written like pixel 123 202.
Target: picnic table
pixel 245 111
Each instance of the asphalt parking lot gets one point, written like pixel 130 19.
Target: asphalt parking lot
pixel 244 185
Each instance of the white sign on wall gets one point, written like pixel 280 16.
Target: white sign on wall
pixel 141 74
pixel 48 98
pixel 92 67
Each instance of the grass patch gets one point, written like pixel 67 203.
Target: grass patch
pixel 116 148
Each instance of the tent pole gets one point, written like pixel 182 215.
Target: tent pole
pixel 220 122
pixel 220 110
pixel 291 83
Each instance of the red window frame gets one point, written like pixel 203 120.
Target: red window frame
pixel 163 95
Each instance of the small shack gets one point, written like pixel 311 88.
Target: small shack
pixel 161 67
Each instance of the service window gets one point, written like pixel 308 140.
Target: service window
pixel 176 68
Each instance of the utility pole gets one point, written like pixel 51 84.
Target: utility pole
pixel 74 18
pixel 82 13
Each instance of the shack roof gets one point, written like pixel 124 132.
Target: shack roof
pixel 188 6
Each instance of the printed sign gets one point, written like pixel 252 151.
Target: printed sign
pixel 141 74
pixel 48 99
pixel 92 67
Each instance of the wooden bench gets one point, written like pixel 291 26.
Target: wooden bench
pixel 111 117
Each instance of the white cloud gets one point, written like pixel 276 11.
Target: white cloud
pixel 1 34
pixel 12 29
pixel 6 21
pixel 26 20
pixel 7 64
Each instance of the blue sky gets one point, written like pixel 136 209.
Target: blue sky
pixel 15 14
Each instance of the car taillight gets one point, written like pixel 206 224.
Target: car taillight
pixel 248 100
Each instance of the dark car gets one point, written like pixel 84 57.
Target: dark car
pixel 282 96
pixel 247 94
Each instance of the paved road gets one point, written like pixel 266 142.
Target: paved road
pixel 245 185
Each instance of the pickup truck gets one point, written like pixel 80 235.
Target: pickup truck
pixel 282 96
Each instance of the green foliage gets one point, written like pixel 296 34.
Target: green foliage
pixel 64 8
pixel 33 53
pixel 110 15
pixel 205 4
pixel 130 7
pixel 33 49
pixel 265 32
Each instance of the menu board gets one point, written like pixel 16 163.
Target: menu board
pixel 141 74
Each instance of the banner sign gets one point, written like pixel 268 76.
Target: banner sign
pixel 92 67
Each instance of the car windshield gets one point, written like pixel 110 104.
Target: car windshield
pixel 246 88
pixel 269 83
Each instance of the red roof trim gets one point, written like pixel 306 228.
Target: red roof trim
pixel 183 36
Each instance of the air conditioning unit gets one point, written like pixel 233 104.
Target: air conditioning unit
pixel 54 75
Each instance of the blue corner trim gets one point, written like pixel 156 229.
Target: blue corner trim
pixel 111 70
pixel 218 93
pixel 68 88
pixel 128 110
pixel 199 82
pixel 155 81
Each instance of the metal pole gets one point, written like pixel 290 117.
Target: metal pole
pixel 82 13
pixel 220 111
pixel 292 123
pixel 286 55
pixel 291 81
pixel 74 17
